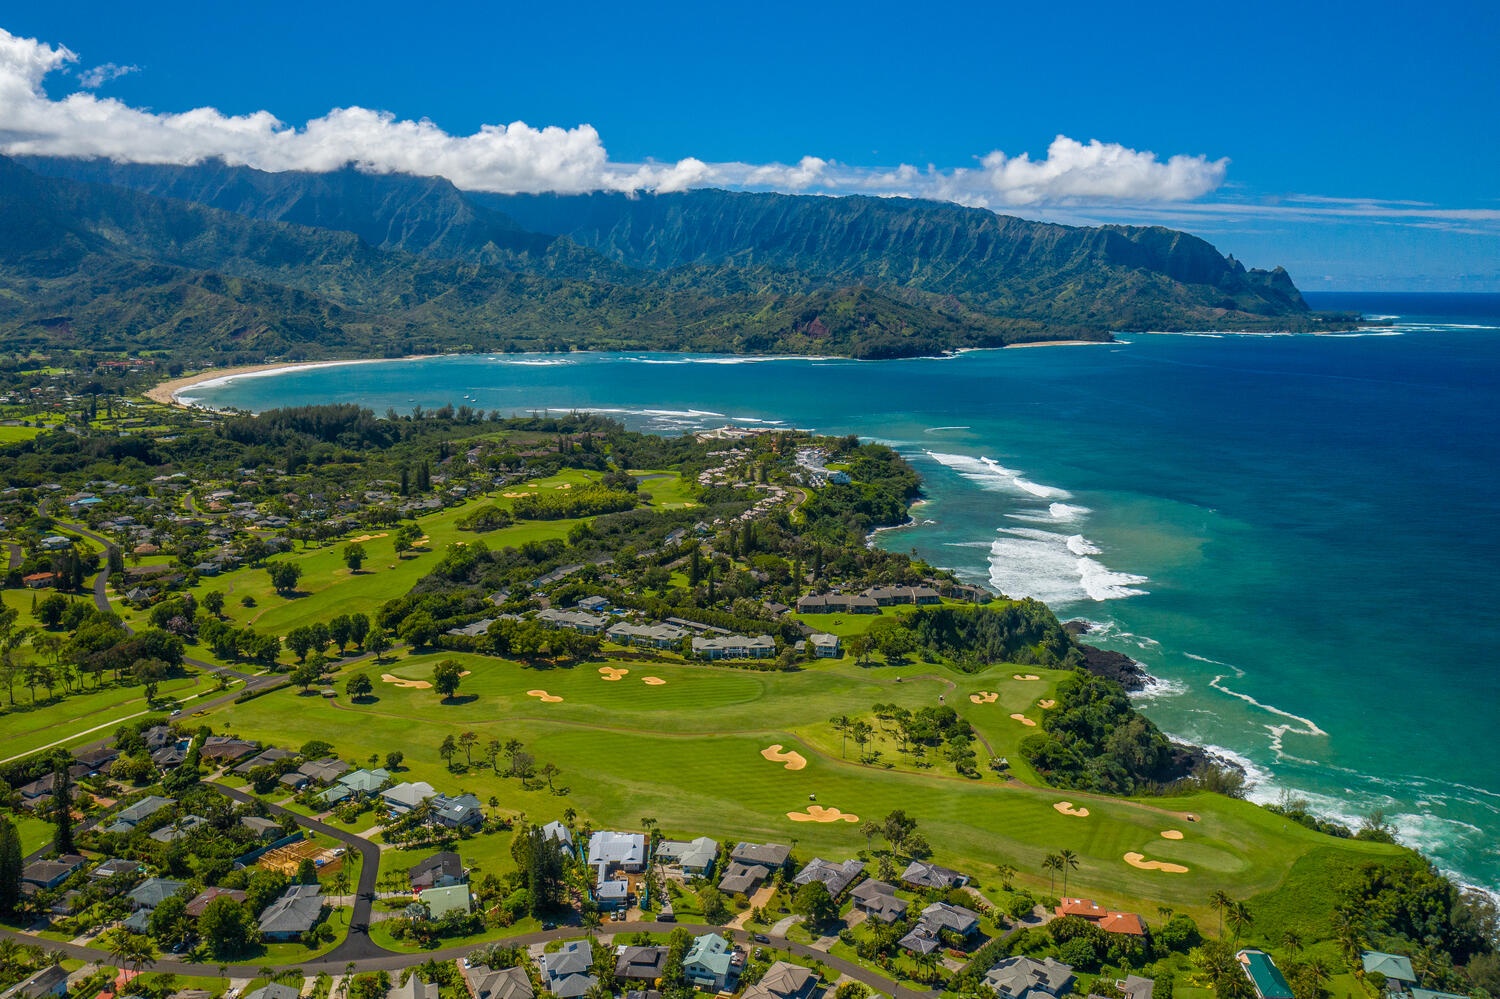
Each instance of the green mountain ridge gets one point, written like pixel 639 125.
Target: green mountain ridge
pixel 226 262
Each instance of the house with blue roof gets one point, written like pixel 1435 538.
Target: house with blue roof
pixel 1399 976
pixel 710 963
pixel 1265 977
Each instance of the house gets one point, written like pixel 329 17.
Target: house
pixel 264 828
pixel 579 621
pixel 743 879
pixel 557 831
pixel 1027 978
pixel 593 605
pixel 878 900
pixel 890 596
pixel 505 983
pixel 784 981
pixel 654 636
pixel 612 894
pixel 114 868
pixel 1127 923
pixel 462 812
pixel 274 991
pixel 324 771
pixel 404 797
pixel 40 580
pixel 825 646
pixel 127 818
pixel 640 964
pixel 695 857
pixel 617 849
pixel 474 629
pixel 437 871
pixel 174 831
pixel 50 981
pixel 1136 987
pixel 225 749
pixel 773 856
pixel 97 759
pixel 837 877
pixel 200 902
pixel 566 973
pixel 297 910
pixel 1399 976
pixel 363 783
pixel 710 963
pixel 152 892
pixel 294 781
pixel 268 758
pixel 939 918
pixel 919 876
pixel 735 647
pixel 413 988
pixel 51 873
pixel 447 899
pixel 1265 977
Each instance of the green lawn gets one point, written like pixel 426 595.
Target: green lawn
pixel 80 717
pixel 688 753
pixel 668 490
pixel 10 435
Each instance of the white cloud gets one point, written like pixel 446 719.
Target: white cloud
pixel 518 158
pixel 93 79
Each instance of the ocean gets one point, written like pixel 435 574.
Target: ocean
pixel 1296 535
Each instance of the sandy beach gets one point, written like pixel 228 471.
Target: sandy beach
pixel 167 392
pixel 1058 343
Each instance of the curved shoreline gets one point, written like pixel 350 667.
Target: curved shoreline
pixel 167 392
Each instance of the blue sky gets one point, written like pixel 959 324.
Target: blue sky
pixel 1357 144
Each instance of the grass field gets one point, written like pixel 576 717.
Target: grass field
pixel 10 435
pixel 688 753
pixel 79 718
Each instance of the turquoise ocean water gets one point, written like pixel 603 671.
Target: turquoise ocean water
pixel 1298 536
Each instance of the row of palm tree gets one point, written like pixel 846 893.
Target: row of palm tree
pixel 1064 861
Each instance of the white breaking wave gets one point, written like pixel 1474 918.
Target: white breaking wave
pixel 990 474
pixel 535 362
pixel 1067 512
pixel 1157 687
pixel 1297 725
pixel 1082 546
pixel 1025 562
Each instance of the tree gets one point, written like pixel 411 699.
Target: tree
pixel 62 810
pixel 813 902
pixel 445 678
pixel 359 627
pixel 1220 900
pixel 1052 863
pixel 10 866
pixel 359 687
pixel 354 556
pixel 467 741
pixel 377 641
pixel 897 827
pixel 448 749
pixel 306 675
pixel 307 872
pixel 1238 916
pixel 862 733
pixel 213 602
pixel 128 949
pixel 393 760
pixel 715 910
pixel 841 724
pixel 284 576
pixel 1069 863
pixel 226 926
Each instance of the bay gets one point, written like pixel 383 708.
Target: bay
pixel 1296 535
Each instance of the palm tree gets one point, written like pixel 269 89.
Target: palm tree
pixel 224 974
pixel 1052 863
pixel 1007 873
pixel 1220 900
pixel 1069 862
pixel 840 724
pixel 1292 941
pixel 1239 918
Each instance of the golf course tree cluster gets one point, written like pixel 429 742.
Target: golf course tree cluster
pixel 1095 740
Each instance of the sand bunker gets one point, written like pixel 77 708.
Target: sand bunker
pixel 1047 704
pixel 793 760
pixel 543 696
pixel 1066 807
pixel 1024 676
pixel 653 681
pixel 612 673
pixel 1024 720
pixel 514 495
pixel 465 672
pixel 367 537
pixel 984 697
pixel 565 485
pixel 1139 861
pixel 411 684
pixel 817 813
pixel 1171 834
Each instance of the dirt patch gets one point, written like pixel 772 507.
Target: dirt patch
pixel 817 813
pixel 543 696
pixel 653 681
pixel 612 673
pixel 984 697
pixel 1024 676
pixel 409 684
pixel 1171 834
pixel 793 760
pixel 1140 862
pixel 1066 808
pixel 1024 720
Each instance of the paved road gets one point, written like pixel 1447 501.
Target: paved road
pixel 16 555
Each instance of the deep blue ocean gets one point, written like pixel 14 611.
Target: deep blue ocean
pixel 1297 535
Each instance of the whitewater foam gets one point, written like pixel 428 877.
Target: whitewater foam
pixel 1055 568
pixel 988 473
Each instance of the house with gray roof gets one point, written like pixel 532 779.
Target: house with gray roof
pixel 836 877
pixel 437 871
pixel 735 647
pixel 825 646
pixel 364 783
pixel 274 991
pixel 878 900
pixel 920 875
pixel 462 812
pixel 1399 976
pixel 651 636
pixel 173 831
pixel 579 621
pixel 297 910
pixel 413 988
pixel 557 831
pixel 114 867
pixel 784 981
pixel 324 771
pixel 262 827
pixel 935 920
pixel 743 879
pixel 153 891
pixel 565 973
pixel 1027 978
pixel 617 849
pixel 404 797
pixel 49 981
pixel 695 857
pixel 127 818
pixel 504 983
pixel 51 873
pixel 269 757
pixel 770 855
pixel 640 964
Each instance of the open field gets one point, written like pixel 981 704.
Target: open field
pixel 689 753
pixel 28 729
pixel 10 435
